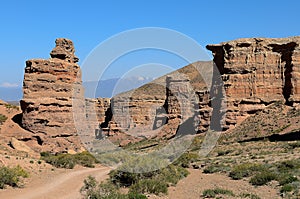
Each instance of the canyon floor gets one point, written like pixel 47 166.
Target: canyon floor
pixel 281 144
pixel 49 182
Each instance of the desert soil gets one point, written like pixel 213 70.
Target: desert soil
pixel 57 184
pixel 193 186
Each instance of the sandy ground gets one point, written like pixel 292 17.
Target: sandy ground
pixel 59 184
pixel 193 186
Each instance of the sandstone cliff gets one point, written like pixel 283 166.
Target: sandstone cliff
pixel 157 109
pixel 49 88
pixel 251 74
pixel 257 72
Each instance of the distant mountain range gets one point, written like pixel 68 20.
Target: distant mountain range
pixel 102 88
pixel 111 87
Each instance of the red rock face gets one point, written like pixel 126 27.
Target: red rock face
pixel 49 88
pixel 257 72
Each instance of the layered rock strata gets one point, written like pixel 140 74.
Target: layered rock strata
pixel 257 72
pixel 49 88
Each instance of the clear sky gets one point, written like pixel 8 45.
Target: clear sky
pixel 29 28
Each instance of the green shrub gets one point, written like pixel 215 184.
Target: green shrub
pixel 3 118
pixel 286 188
pixel 288 165
pixel 186 159
pixel 136 196
pixel 149 186
pixel 11 176
pixel 245 170
pixel 11 106
pixel 85 159
pixel 286 179
pixel 61 161
pixel 249 195
pixel 136 168
pixel 92 190
pixel 171 174
pixel 263 178
pixel 215 168
pixel 211 193
pixel 69 160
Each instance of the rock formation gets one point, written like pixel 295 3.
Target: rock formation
pixel 250 75
pixel 252 72
pixel 257 72
pixel 49 88
pixel 157 109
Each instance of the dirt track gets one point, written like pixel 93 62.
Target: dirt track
pixel 62 185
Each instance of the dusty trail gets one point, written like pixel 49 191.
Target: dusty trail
pixel 63 185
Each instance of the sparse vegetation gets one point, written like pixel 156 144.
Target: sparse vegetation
pixel 140 176
pixel 3 118
pixel 211 193
pixel 146 182
pixel 245 170
pixel 11 176
pixel 263 178
pixel 249 195
pixel 106 190
pixel 11 106
pixel 69 160
pixel 149 186
pixel 216 168
pixel 186 159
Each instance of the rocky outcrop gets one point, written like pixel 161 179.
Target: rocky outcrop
pixel 257 72
pixel 49 88
pixel 250 75
pixel 157 109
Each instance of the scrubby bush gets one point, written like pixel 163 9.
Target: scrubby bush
pixel 135 169
pixel 215 168
pixel 11 176
pixel 136 175
pixel 186 159
pixel 69 160
pixel 92 190
pixel 11 106
pixel 286 188
pixel 169 175
pixel 288 165
pixel 3 118
pixel 149 186
pixel 211 193
pixel 249 195
pixel 245 170
pixel 263 178
pixel 286 179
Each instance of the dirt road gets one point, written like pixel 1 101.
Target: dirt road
pixel 64 184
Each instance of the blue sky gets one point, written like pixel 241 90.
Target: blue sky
pixel 29 28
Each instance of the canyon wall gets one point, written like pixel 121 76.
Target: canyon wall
pixel 137 115
pixel 49 88
pixel 257 72
pixel 251 74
